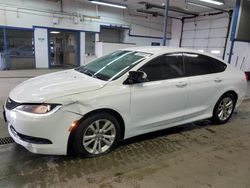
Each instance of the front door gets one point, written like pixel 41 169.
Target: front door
pixel 161 100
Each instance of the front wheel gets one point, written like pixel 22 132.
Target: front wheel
pixel 96 135
pixel 224 109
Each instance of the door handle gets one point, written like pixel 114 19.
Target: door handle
pixel 181 84
pixel 218 80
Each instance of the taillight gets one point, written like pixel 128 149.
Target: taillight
pixel 246 76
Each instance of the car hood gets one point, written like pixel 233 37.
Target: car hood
pixel 48 86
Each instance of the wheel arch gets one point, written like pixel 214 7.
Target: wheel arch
pixel 231 92
pixel 107 110
pixel 214 116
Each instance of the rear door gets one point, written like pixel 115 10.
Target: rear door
pixel 205 80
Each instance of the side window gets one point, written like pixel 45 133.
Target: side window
pixel 196 64
pixel 164 67
pixel 219 66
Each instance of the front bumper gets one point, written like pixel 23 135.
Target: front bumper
pixel 31 130
pixel 30 139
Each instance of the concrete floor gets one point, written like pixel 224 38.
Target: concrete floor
pixel 193 155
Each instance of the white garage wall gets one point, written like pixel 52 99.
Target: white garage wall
pixel 41 46
pixel 241 56
pixel 141 41
pixel 175 32
pixel 82 48
pixel 206 33
pixel 15 13
pixel 104 48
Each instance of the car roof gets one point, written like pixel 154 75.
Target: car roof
pixel 157 50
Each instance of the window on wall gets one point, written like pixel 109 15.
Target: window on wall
pixel 115 35
pixel 64 48
pixel 1 41
pixel 89 44
pixel 19 52
pixel 20 43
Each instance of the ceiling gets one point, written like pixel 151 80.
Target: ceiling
pixel 135 4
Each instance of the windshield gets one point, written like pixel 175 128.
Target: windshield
pixel 114 65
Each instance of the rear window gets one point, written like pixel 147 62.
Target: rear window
pixel 197 64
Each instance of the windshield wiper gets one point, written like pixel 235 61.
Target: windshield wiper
pixel 87 72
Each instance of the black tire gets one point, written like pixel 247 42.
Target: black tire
pixel 81 129
pixel 216 119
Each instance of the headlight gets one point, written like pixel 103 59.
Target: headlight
pixel 38 108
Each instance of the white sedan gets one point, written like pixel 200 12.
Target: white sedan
pixel 126 93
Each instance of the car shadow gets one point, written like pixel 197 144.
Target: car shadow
pixel 137 139
pixel 148 136
pixel 169 131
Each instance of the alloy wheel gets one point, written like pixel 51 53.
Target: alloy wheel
pixel 225 108
pixel 99 136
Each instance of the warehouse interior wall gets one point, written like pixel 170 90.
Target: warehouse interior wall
pixel 176 27
pixel 81 17
pixel 241 55
pixel 143 41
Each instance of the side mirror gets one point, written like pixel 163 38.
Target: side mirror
pixel 136 77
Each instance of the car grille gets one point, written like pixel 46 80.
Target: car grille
pixel 10 104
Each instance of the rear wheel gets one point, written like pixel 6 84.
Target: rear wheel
pixel 96 135
pixel 224 109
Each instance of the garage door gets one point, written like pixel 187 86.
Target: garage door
pixel 208 34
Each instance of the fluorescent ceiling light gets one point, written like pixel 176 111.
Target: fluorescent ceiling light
pixel 191 55
pixel 198 5
pixel 104 3
pixel 202 51
pixel 215 2
pixel 215 51
pixel 54 32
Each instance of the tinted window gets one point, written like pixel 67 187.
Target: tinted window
pixel 218 66
pixel 164 67
pixel 196 64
